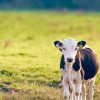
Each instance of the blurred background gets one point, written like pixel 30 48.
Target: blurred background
pixel 91 5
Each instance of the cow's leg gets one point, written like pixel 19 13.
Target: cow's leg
pixel 78 91
pixel 65 89
pixel 91 89
pixel 78 87
pixel 71 96
pixel 71 90
pixel 83 92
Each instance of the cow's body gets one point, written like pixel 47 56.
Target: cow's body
pixel 78 66
pixel 85 60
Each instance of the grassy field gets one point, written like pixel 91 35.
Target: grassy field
pixel 29 62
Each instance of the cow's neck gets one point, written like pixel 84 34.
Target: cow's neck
pixel 67 73
pixel 68 67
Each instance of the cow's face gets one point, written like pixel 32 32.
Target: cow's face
pixel 69 48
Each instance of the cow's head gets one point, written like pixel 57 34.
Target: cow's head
pixel 69 48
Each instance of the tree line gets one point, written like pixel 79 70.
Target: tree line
pixel 51 4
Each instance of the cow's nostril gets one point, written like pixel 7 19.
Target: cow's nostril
pixel 69 59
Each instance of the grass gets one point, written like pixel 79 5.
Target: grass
pixel 29 62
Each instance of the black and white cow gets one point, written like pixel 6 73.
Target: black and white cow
pixel 78 66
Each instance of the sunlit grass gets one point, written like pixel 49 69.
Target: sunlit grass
pixel 29 62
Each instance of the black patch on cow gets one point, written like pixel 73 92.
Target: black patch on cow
pixel 89 63
pixel 83 43
pixel 62 62
pixel 76 65
pixel 56 42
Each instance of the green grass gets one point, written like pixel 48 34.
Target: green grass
pixel 29 62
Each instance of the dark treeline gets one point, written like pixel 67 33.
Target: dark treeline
pixel 51 4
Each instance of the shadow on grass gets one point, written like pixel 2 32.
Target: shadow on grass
pixel 4 87
pixel 5 72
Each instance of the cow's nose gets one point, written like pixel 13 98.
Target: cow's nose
pixel 69 59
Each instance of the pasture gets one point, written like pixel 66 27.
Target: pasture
pixel 29 62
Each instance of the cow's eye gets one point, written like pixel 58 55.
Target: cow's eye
pixel 75 48
pixel 60 50
pixel 63 48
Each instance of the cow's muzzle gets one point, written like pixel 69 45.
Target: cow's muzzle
pixel 69 60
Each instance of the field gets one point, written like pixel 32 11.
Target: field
pixel 29 62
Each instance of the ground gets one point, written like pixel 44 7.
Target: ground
pixel 29 62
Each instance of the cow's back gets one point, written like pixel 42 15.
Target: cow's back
pixel 89 63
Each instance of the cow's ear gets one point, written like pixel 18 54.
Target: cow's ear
pixel 57 44
pixel 81 44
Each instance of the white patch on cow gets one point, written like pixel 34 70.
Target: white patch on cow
pixel 69 46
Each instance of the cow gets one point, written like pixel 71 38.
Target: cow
pixel 79 66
